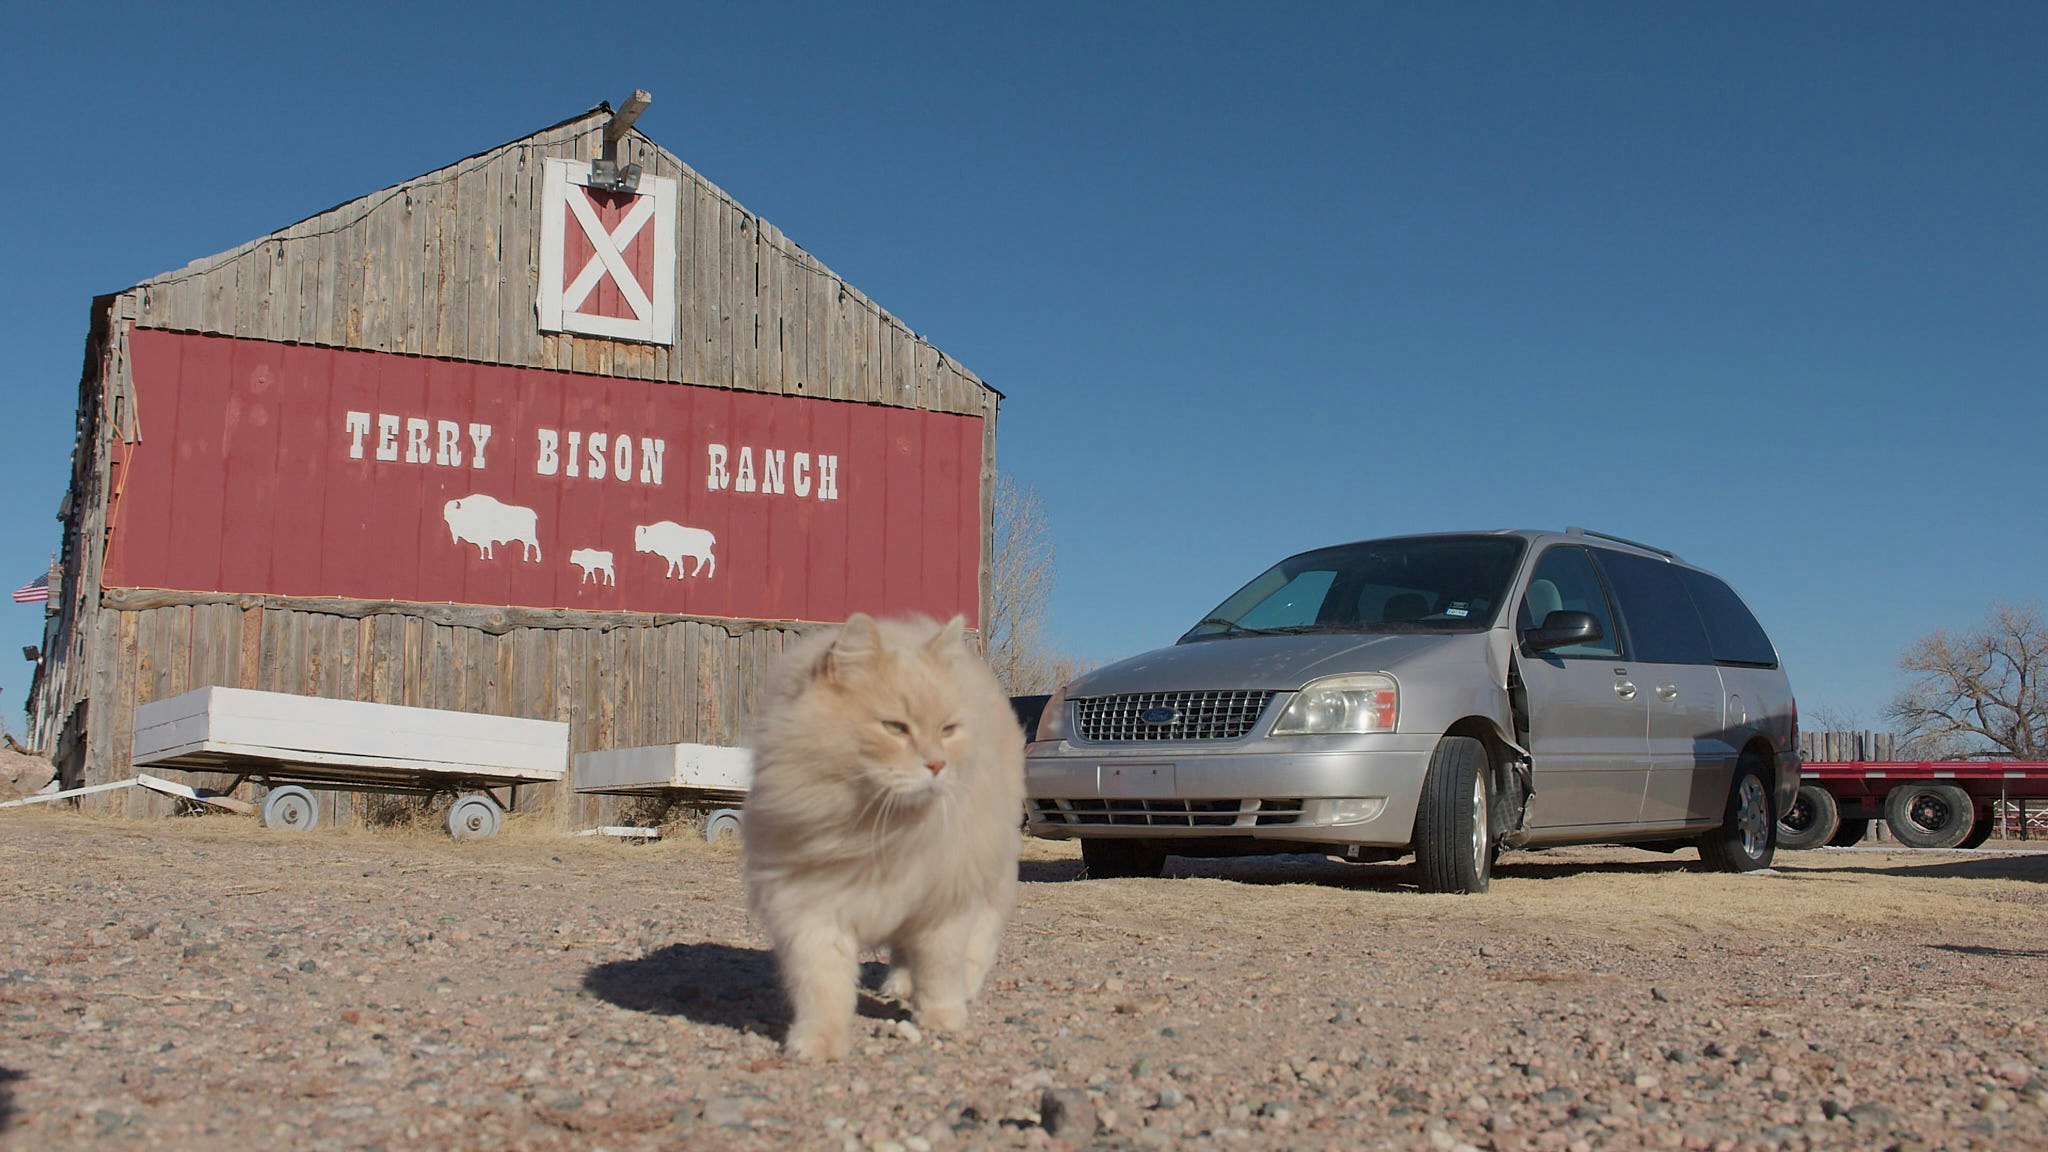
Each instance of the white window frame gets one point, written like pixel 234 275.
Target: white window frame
pixel 564 205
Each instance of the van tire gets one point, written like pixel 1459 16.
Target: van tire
pixel 1454 847
pixel 1810 821
pixel 1929 815
pixel 1747 837
pixel 1121 859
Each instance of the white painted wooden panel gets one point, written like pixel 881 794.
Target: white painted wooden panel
pixel 709 767
pixel 314 730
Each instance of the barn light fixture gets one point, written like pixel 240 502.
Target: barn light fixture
pixel 31 653
pixel 605 171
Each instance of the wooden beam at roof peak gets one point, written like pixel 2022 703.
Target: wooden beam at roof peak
pixel 622 120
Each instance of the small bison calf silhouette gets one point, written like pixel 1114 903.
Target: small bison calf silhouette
pixel 595 564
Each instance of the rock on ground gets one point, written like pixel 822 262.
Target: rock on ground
pixel 22 774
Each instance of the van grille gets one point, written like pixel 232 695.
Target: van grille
pixel 1169 813
pixel 1195 715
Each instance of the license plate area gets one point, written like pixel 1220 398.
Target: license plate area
pixel 1136 781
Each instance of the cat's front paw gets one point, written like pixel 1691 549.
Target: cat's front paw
pixel 942 1017
pixel 817 1043
pixel 897 985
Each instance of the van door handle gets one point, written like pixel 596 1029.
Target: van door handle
pixel 1667 692
pixel 1625 689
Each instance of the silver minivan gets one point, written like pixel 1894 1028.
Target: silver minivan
pixel 1446 695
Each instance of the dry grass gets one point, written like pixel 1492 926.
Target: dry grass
pixel 408 814
pixel 1600 892
pixel 1606 893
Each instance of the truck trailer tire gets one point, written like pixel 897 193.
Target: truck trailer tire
pixel 1850 834
pixel 1810 821
pixel 1980 831
pixel 1929 815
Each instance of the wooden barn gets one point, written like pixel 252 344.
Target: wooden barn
pixel 557 431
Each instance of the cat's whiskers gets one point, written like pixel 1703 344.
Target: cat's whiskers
pixel 875 811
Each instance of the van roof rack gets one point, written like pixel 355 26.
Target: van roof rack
pixel 1664 552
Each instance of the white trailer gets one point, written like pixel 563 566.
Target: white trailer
pixel 283 742
pixel 705 776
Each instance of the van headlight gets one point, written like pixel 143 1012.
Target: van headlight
pixel 1368 702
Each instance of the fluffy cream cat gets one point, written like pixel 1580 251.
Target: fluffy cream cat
pixel 888 788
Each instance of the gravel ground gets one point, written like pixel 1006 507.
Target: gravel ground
pixel 200 983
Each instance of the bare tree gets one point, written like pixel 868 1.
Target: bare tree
pixel 1828 718
pixel 1021 585
pixel 1981 691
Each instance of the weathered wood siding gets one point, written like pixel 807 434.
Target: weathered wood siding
pixel 445 265
pixel 630 685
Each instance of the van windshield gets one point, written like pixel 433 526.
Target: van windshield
pixel 1410 584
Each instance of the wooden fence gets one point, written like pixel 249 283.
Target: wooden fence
pixel 1847 747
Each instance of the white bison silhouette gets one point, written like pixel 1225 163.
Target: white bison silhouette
pixel 671 541
pixel 594 564
pixel 483 521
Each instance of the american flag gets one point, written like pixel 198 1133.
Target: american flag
pixel 35 591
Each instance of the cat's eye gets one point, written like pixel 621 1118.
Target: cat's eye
pixel 949 729
pixel 896 727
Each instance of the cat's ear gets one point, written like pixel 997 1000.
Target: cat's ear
pixel 858 642
pixel 947 641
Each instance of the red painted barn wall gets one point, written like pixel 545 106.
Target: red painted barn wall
pixel 253 476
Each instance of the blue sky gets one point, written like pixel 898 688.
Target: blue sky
pixel 1764 284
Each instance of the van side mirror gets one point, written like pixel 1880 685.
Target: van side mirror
pixel 1562 630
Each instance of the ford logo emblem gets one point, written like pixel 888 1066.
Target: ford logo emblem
pixel 1159 717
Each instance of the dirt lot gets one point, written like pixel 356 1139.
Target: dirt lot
pixel 201 983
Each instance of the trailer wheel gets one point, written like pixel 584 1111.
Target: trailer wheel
pixel 1850 834
pixel 1980 831
pixel 474 817
pixel 1929 815
pixel 1113 859
pixel 1810 821
pixel 1453 837
pixel 291 808
pixel 720 824
pixel 1745 841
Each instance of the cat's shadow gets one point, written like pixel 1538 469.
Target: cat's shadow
pixel 716 984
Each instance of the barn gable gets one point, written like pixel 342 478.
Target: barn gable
pixel 448 265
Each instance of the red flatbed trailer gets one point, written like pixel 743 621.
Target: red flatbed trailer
pixel 1926 804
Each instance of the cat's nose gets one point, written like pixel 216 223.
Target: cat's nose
pixel 936 766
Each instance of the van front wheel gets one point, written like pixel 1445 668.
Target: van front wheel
pixel 1453 836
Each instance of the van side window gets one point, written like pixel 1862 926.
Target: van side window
pixel 1564 581
pixel 1663 627
pixel 1732 630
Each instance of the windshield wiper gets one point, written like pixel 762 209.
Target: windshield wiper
pixel 1229 628
pixel 1233 628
